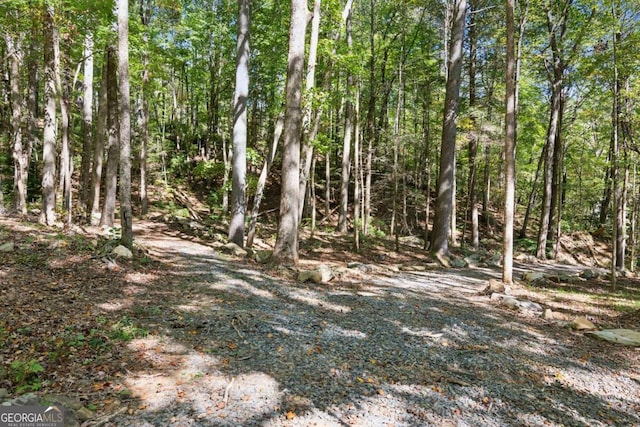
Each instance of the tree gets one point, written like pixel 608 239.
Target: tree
pixel 113 145
pixel 286 248
pixel 87 120
pixel 48 214
pixel 238 202
pixel 20 160
pixel 346 145
pixel 126 216
pixel 509 146
pixel 443 207
pixel 101 130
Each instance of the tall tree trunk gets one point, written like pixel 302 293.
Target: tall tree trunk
pixel 262 179
pixel 509 147
pixel 145 17
pixel 357 153
pixel 532 196
pixel 113 151
pixel 126 215
pixel 98 149
pixel 65 148
pixel 20 162
pixel 238 195
pixel 48 214
pixel 443 208
pixel 87 121
pixel 309 130
pixel 286 248
pixel 547 189
pixel 346 144
pixel 473 140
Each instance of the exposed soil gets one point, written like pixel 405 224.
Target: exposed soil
pixel 184 335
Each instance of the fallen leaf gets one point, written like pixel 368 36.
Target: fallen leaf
pixel 290 415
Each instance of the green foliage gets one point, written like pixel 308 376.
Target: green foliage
pixel 24 375
pixel 126 330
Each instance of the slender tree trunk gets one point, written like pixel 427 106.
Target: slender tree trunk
pixel 20 162
pixel 509 147
pixel 113 151
pixel 286 248
pixel 238 195
pixel 126 216
pixel 543 231
pixel 444 201
pixel 309 130
pixel 62 87
pixel 356 174
pixel 145 16
pixel 87 121
pixel 473 139
pixel 48 214
pixel 532 196
pixel 262 180
pixel 98 149
pixel 346 145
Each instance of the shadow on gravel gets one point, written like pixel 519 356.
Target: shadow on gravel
pixel 229 345
pixel 415 349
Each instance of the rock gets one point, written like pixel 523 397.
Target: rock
pixel 532 276
pixel 554 315
pixel 581 324
pixel 619 336
pixel 459 263
pixel 122 252
pixel 443 260
pixel 559 278
pixel 495 260
pixel 7 247
pixel 4 394
pixel 505 300
pixel 84 414
pixel 262 257
pixel 413 268
pixel 235 249
pixel 530 306
pixel 322 274
pixel 514 303
pixel 473 261
pixel 589 274
pixel 495 286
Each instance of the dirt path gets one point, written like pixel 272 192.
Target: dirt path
pixel 231 345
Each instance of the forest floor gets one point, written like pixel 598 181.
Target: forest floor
pixel 186 335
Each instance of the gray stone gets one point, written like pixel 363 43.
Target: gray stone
pixel 459 263
pixel 532 276
pixel 262 256
pixel 530 306
pixel 494 286
pixel 589 274
pixel 122 252
pixel 556 316
pixel 235 249
pixel 473 261
pixel 7 247
pixel 495 260
pixel 582 323
pixel 4 394
pixel 322 274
